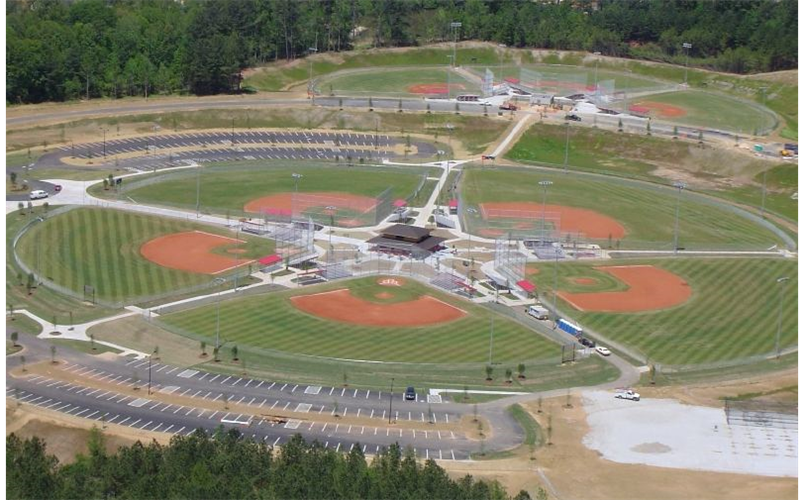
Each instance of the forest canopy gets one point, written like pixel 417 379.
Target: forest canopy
pixel 58 50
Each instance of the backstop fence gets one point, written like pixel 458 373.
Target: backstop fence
pixel 758 413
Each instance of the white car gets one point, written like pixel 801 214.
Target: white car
pixel 38 194
pixel 628 394
pixel 603 351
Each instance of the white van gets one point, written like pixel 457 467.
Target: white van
pixel 37 194
pixel 538 312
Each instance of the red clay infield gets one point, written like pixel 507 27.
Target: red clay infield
pixel 191 251
pixel 433 88
pixel 650 289
pixel 572 220
pixel 341 305
pixel 284 203
pixel 661 109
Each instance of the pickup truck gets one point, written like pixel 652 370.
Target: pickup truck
pixel 507 106
pixel 628 394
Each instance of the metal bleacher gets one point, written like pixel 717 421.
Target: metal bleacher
pixel 448 282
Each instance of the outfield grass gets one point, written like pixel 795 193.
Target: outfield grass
pixel 42 301
pixel 648 214
pixel 731 315
pixel 394 81
pixel 100 247
pixel 705 109
pixel 231 187
pixel 271 322
pixel 640 156
pixel 280 76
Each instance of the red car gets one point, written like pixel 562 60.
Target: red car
pixel 57 188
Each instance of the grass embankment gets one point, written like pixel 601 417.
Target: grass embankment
pixel 85 347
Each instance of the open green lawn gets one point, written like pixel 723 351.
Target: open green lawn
pixel 101 247
pixel 394 81
pixel 732 313
pixel 270 322
pixel 230 188
pixel 85 347
pixel 706 109
pixel 646 211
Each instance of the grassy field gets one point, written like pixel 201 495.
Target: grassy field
pixel 271 322
pixel 705 109
pixel 23 324
pixel 283 75
pixel 647 213
pixel 393 81
pixel 84 347
pixel 229 188
pixel 100 247
pixel 732 313
pixel 41 301
pixel 726 174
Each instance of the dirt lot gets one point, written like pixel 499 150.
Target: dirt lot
pixel 569 470
pixel 66 436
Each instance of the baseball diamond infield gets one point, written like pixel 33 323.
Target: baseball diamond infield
pixel 297 203
pixel 341 305
pixel 191 251
pixel 661 109
pixel 650 289
pixel 572 220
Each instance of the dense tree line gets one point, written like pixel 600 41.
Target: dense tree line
pixel 59 50
pixel 225 465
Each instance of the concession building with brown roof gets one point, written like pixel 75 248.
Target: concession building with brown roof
pixel 410 241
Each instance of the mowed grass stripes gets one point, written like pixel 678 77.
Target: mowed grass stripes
pixel 101 248
pixel 647 214
pixel 732 313
pixel 272 322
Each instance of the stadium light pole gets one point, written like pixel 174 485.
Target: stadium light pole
pixel 596 72
pixel 104 143
pixel 781 281
pixel 332 210
pixel 455 26
pixel 679 186
pixel 555 284
pixel 217 282
pixel 198 191
pixel 491 337
pixel 391 397
pixel 687 46
pixel 450 58
pixel 310 52
pixel 567 144
pixel 763 196
pixel 545 185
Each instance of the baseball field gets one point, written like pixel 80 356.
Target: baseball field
pixel 706 109
pixel 644 213
pixel 126 256
pixel 717 309
pixel 373 318
pixel 404 82
pixel 258 189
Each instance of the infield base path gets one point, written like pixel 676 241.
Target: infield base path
pixel 341 305
pixel 589 222
pixel 191 251
pixel 650 289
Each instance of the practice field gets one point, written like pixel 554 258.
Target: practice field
pixel 104 249
pixel 251 190
pixel 445 329
pixel 731 312
pixel 646 213
pixel 708 110
pixel 402 82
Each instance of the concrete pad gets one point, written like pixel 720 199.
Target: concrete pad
pixel 666 433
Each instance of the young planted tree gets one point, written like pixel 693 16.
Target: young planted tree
pixel 136 380
pixel 489 371
pixel 458 109
pixel 567 399
pixel 508 375
pixel 203 349
pixel 335 408
pixel 399 106
pixel 648 127
pixel 29 285
pixel 53 354
pixel 539 405
pixel 620 124
pixel 340 104
pixel 345 380
pixel 676 132
pixel 521 371
pixel 156 352
pixel 371 106
pixel 22 362
pixel 92 341
pixel 549 430
pixel 14 337
pixel 13 178
pixel 475 412
pixel 11 311
pixel 215 354
pixel 234 351
pixel 45 207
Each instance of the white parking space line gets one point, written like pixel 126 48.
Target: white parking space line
pixel 227 378
pixel 180 430
pixel 215 377
pixel 163 367
pixel 248 382
pixel 93 413
pixel 146 425
pixel 124 421
pixel 235 382
pixel 272 385
pixel 171 371
pixel 283 387
pixel 82 412
pixel 261 383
